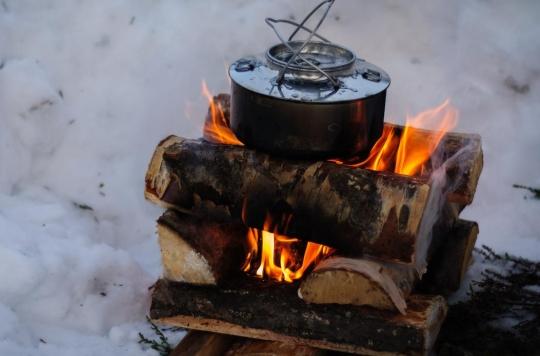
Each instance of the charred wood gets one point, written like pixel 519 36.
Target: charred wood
pixel 357 210
pixel 199 251
pixel 450 262
pixel 386 285
pixel 464 171
pixel 253 309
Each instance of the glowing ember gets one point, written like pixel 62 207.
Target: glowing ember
pixel 216 127
pixel 279 258
pixel 407 153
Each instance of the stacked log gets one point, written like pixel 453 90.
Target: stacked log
pixel 386 285
pixel 254 309
pixel 367 298
pixel 199 251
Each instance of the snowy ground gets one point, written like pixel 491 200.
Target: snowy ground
pixel 87 88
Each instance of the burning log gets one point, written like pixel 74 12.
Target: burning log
pixel 450 262
pixel 203 252
pixel 253 309
pixel 199 251
pixel 343 280
pixel 357 210
pixel 377 213
pixel 467 168
pixel 386 285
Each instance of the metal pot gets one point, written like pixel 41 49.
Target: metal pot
pixel 308 99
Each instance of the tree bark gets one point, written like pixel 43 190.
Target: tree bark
pixel 199 251
pixel 274 312
pixel 355 210
pixel 450 262
pixel 386 285
pixel 465 171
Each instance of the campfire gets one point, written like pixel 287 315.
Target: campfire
pixel 341 234
pixel 407 151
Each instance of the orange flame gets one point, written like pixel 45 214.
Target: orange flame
pixel 413 151
pixel 275 247
pixel 216 127
pixel 407 152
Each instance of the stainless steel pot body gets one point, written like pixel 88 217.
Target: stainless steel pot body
pixel 326 104
pixel 306 129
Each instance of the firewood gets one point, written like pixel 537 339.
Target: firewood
pixel 251 347
pixel 468 166
pixel 199 251
pixel 451 261
pixel 199 343
pixel 204 252
pixel 360 282
pixel 386 285
pixel 250 308
pixel 353 209
pixel 220 180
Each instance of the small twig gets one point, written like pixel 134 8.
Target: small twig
pixel 535 191
pixel 82 206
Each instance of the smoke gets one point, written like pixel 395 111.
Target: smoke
pixel 442 185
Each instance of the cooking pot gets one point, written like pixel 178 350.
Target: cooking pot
pixel 308 99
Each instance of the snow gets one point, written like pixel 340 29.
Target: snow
pixel 88 88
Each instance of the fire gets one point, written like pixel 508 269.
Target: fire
pixel 407 153
pixel 279 258
pixel 216 127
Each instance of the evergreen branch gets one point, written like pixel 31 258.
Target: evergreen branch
pixel 162 346
pixel 535 191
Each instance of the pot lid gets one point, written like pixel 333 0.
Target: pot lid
pixel 307 70
pixel 358 80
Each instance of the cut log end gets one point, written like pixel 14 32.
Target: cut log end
pixel 157 179
pixel 181 262
pixel 342 280
pixel 199 251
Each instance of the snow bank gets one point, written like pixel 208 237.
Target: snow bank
pixel 88 88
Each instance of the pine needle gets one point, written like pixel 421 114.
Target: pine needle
pixel 502 314
pixel 535 191
pixel 161 345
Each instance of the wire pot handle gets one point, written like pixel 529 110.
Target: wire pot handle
pixel 312 33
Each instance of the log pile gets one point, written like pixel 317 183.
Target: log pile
pixel 399 247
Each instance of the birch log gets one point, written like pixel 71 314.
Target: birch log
pixel 199 251
pixel 355 210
